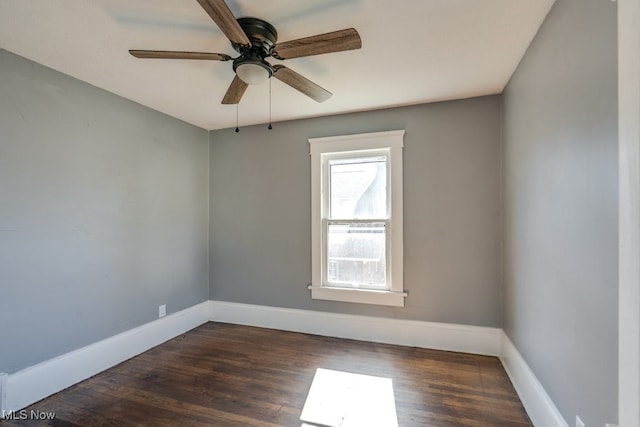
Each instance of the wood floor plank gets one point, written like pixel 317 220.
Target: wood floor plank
pixel 230 375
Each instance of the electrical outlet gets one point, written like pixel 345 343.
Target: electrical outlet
pixel 579 422
pixel 162 310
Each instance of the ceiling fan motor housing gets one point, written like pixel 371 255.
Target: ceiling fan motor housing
pixel 262 35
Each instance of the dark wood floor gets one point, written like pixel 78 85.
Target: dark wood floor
pixel 229 375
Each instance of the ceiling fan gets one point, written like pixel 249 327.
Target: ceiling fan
pixel 255 39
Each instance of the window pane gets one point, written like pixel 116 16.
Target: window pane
pixel 357 254
pixel 358 188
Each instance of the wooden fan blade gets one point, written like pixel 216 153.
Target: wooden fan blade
pixel 298 82
pixel 166 54
pixel 336 41
pixel 235 91
pixel 224 19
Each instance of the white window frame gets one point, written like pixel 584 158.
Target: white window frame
pixel 391 143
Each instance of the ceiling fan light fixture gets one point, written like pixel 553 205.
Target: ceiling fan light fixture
pixel 253 73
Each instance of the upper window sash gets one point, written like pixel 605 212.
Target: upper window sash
pixel 327 184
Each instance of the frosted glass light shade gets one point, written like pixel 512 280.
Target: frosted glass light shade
pixel 252 73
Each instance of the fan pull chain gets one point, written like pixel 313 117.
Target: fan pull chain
pixel 237 128
pixel 270 127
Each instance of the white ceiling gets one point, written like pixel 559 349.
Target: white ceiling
pixel 413 51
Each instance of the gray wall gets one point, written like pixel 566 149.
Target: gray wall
pixel 260 241
pixel 560 191
pixel 103 214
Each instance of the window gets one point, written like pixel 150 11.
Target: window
pixel 357 218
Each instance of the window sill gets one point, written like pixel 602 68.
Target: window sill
pixel 362 296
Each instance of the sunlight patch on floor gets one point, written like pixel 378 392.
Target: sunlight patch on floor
pixel 343 399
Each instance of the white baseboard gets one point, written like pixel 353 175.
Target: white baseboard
pixel 541 409
pixel 44 379
pixel 439 336
pixel 32 384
